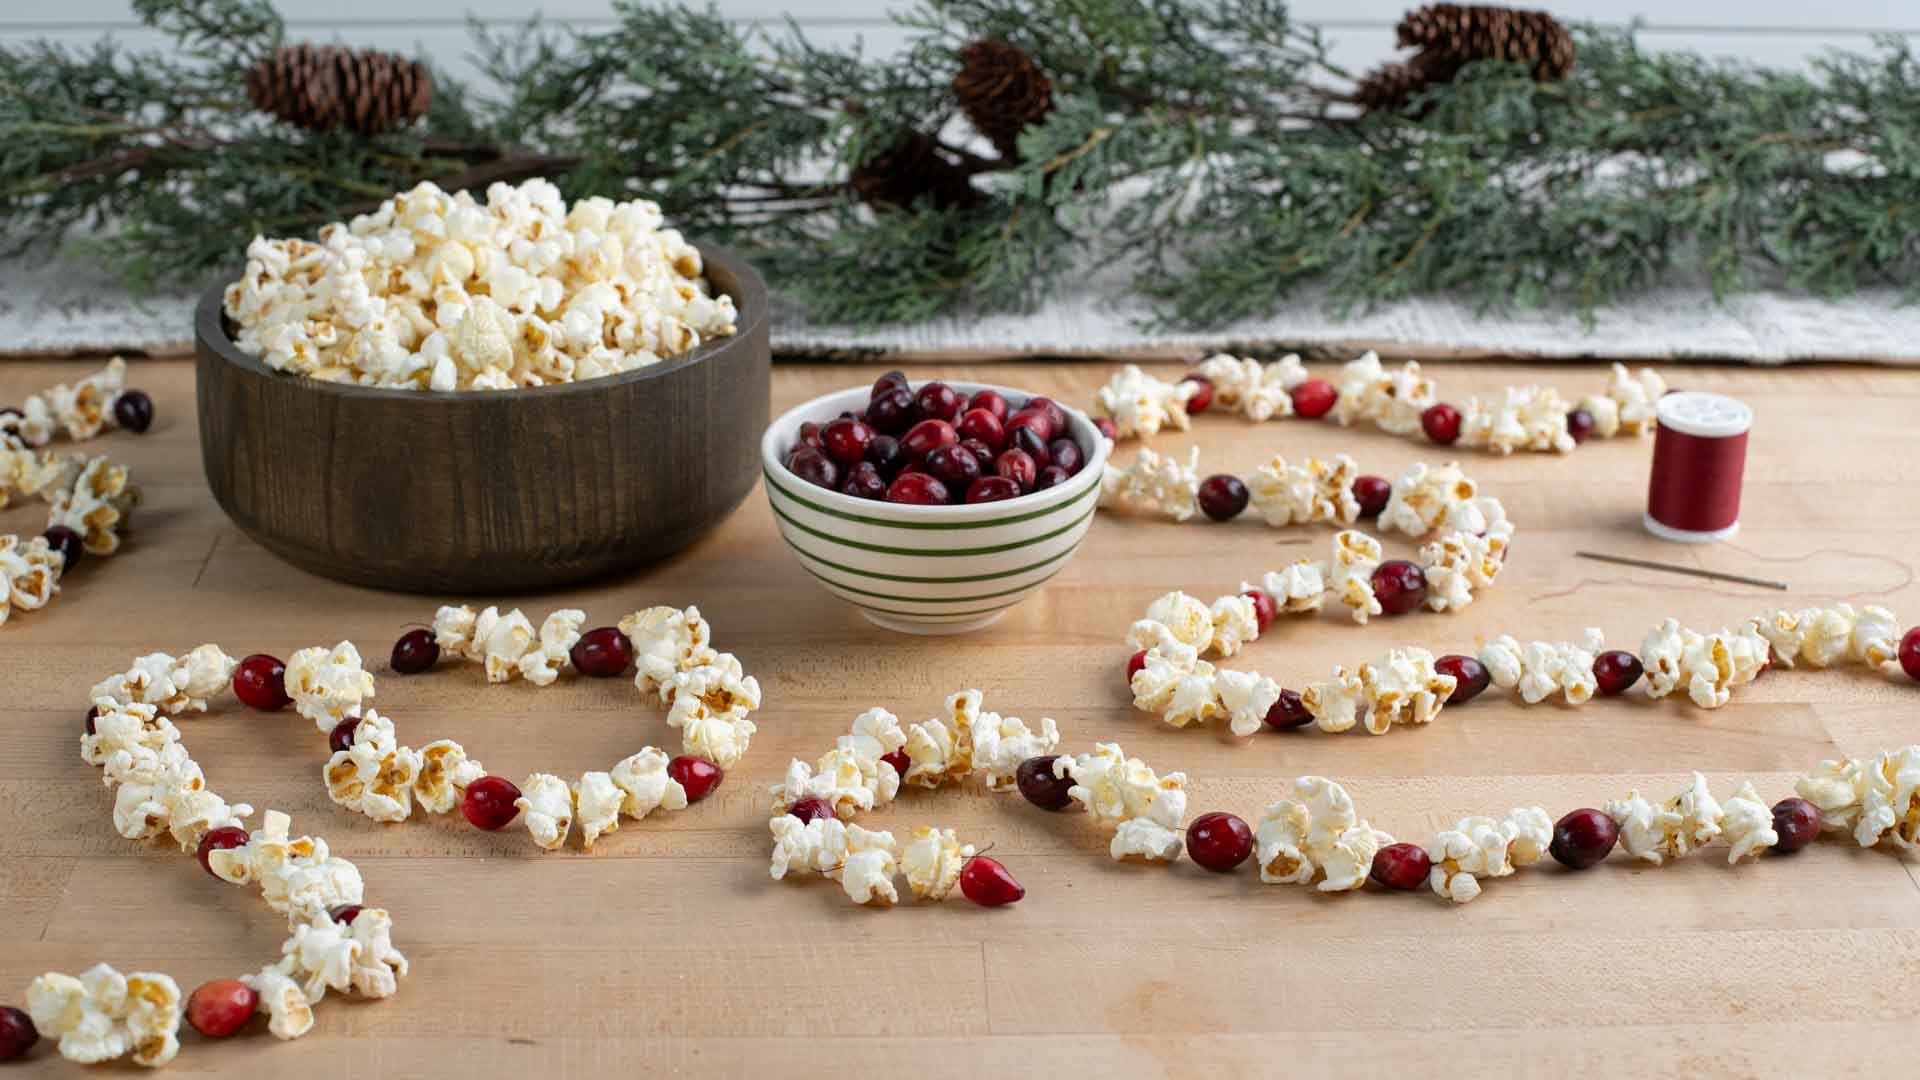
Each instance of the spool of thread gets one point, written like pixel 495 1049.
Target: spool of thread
pixel 1699 460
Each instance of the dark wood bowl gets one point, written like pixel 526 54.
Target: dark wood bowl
pixel 487 491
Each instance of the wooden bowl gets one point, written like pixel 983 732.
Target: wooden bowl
pixel 494 490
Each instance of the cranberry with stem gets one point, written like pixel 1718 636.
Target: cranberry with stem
pixel 985 882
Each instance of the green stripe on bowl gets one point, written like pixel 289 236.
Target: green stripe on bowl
pixel 910 579
pixel 944 553
pixel 937 526
pixel 922 616
pixel 896 598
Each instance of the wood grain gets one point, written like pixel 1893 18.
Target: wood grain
pixel 487 492
pixel 668 952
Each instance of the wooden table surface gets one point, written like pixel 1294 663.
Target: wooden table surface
pixel 668 950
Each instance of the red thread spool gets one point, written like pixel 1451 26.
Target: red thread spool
pixel 1699 458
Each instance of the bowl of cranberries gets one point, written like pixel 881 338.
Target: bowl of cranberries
pixel 933 507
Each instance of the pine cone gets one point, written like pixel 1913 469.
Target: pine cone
pixel 328 87
pixel 1002 91
pixel 1390 86
pixel 1468 32
pixel 910 170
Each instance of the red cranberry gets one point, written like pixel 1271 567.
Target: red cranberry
pixel 810 436
pixel 17 1033
pixel 983 425
pixel 340 739
pixel 1372 493
pixel 1028 440
pixel 990 400
pixel 1066 454
pixel 846 440
pixel 68 543
pixel 886 384
pixel 1441 423
pixel 1106 428
pixel 1033 420
pixel 1017 466
pixel 1288 712
pixel 1051 476
pixel 1580 425
pixel 1910 653
pixel 1134 664
pixel 1040 786
pixel 344 914
pixel 698 775
pixel 814 467
pixel 1470 677
pixel 1314 398
pixel 981 452
pixel 415 652
pixel 937 401
pixel 1056 415
pixel 1615 670
pixel 1219 841
pixel 864 482
pixel 133 410
pixel 602 653
pixel 954 466
pixel 1797 821
pixel 899 759
pixel 1200 395
pixel 917 488
pixel 1399 585
pixel 219 1008
pixel 488 803
pixel 992 489
pixel 1264 608
pixel 93 713
pixel 985 882
pixel 260 682
pixel 224 838
pixel 810 809
pixel 1583 838
pixel 892 413
pixel 927 436
pixel 1222 497
pixel 1401 866
pixel 884 454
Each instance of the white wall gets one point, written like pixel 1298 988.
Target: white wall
pixel 1781 32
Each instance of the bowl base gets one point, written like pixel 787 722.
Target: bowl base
pixel 931 629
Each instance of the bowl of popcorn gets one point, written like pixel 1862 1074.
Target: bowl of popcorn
pixel 459 395
pixel 933 508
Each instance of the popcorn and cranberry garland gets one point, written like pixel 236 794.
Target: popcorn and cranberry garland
pixel 337 943
pixel 440 292
pixel 1400 402
pixel 706 694
pixel 814 804
pixel 933 447
pixel 91 497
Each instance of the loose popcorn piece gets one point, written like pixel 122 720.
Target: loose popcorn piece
pixel 327 686
pixel 104 1015
pixel 1709 666
pixel 1314 836
pixel 1682 825
pixel 441 292
pixel 1139 404
pixel 1316 490
pixel 932 861
pixel 546 804
pixel 1480 847
pixel 1540 669
pixel 1747 824
pixel 1155 484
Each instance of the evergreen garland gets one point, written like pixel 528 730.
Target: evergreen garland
pixel 1209 146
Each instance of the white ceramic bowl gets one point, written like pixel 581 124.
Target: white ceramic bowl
pixel 929 569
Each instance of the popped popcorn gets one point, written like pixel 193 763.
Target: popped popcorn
pixel 1540 669
pixel 441 292
pixel 1821 636
pixel 546 804
pixel 1355 557
pixel 1875 799
pixel 1245 387
pixel 1403 688
pixel 1300 587
pixel 540 664
pixel 1747 823
pixel 1683 824
pixel 666 641
pixel 172 685
pixel 1707 665
pixel 645 784
pixel 1480 847
pixel 374 776
pixel 941 749
pixel 1146 841
pixel 866 873
pixel 104 1015
pixel 96 504
pixel 1139 404
pixel 1316 490
pixel 932 861
pixel 799 847
pixel 1522 418
pixel 1234 624
pixel 597 801
pixel 328 686
pixel 1393 400
pixel 1001 743
pixel 445 771
pixel 1153 483
pixel 1246 698
pixel 710 704
pixel 1635 398
pixel 1313 835
pixel 281 998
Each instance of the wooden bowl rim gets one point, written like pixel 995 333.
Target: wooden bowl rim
pixel 751 313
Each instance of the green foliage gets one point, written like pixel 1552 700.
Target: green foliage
pixel 1197 143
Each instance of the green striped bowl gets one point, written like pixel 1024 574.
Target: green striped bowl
pixel 928 569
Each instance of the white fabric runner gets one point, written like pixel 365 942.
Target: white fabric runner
pixel 64 304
